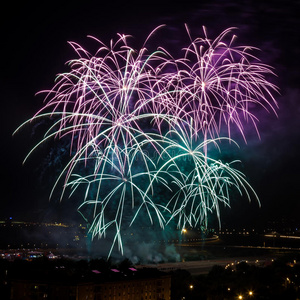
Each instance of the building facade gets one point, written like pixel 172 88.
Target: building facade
pixel 137 289
pixel 124 289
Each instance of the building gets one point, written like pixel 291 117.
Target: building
pixel 135 289
pixel 40 290
pixel 117 285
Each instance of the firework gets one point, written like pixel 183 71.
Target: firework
pixel 141 122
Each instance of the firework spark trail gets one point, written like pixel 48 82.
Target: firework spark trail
pixel 134 119
pixel 218 83
pixel 207 182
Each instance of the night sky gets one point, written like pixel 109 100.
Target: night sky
pixel 34 49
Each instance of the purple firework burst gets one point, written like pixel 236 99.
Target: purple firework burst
pixel 134 118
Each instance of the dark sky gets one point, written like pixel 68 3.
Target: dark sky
pixel 34 49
